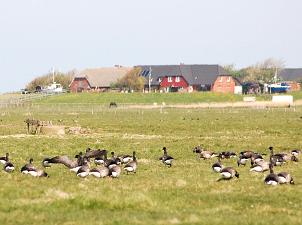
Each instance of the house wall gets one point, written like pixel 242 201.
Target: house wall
pixel 224 84
pixel 79 85
pixel 172 82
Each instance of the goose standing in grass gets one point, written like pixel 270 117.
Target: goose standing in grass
pixel 115 171
pixel 131 166
pixel 217 166
pixel 83 171
pixel 271 178
pixel 166 159
pixel 228 173
pixel 28 167
pixel 99 172
pixel 4 159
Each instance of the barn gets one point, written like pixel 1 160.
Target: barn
pixel 293 77
pixel 186 78
pixel 227 84
pixel 98 79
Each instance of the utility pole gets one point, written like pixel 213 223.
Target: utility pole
pixel 150 74
pixel 53 74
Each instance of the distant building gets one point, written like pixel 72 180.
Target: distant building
pixel 293 77
pixel 227 84
pixel 99 79
pixel 187 78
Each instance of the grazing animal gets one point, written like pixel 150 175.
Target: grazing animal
pixel 166 159
pixel 242 160
pixel 114 161
pixel 296 152
pixel 247 153
pixel 73 165
pixel 228 173
pixel 83 171
pixel 125 158
pixel 98 153
pixel 115 171
pixel 256 158
pixel 207 154
pixel 285 178
pixel 131 166
pixel 261 166
pixel 4 159
pixel 8 167
pixel 28 167
pixel 112 105
pixel 197 149
pixel 217 166
pixel 271 178
pixel 227 155
pixel 99 172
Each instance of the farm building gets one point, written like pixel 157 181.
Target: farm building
pixel 187 78
pixel 99 79
pixel 227 84
pixel 293 77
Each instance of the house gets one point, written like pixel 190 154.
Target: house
pixel 293 77
pixel 99 79
pixel 227 84
pixel 188 78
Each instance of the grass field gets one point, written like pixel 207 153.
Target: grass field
pixel 187 193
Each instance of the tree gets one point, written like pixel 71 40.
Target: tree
pixel 132 80
pixel 264 72
pixel 231 70
pixel 62 78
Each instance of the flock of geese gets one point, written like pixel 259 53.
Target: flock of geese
pixel 112 167
pixel 81 164
pixel 258 164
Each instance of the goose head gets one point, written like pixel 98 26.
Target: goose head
pixel 31 160
pixel 236 174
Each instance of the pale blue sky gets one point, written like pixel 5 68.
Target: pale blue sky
pixel 39 34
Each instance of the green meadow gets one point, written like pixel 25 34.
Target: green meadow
pixel 186 193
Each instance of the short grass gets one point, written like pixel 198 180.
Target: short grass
pixel 187 193
pixel 159 98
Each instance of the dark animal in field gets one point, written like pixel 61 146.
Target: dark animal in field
pixel 217 167
pixel 8 166
pixel 228 173
pixel 112 105
pixel 166 159
pixel 99 172
pixel 285 178
pixel 197 149
pixel 227 155
pixel 207 154
pixel 73 165
pixel 242 160
pixel 114 161
pixel 247 153
pixel 83 171
pixel 97 153
pixel 130 167
pixel 115 171
pixel 4 159
pixel 33 171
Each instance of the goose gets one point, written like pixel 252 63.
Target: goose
pixel 285 178
pixel 271 178
pixel 247 153
pixel 99 172
pixel 296 152
pixel 166 159
pixel 115 171
pixel 276 159
pixel 8 167
pixel 256 158
pixel 217 166
pixel 28 167
pixel 125 158
pixel 228 173
pixel 38 173
pixel 242 160
pixel 131 166
pixel 98 153
pixel 198 149
pixel 260 166
pixel 4 159
pixel 83 171
pixel 114 161
pixel 73 165
pixel 207 154
pixel 99 160
pixel 227 154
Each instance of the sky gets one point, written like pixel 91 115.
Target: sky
pixel 37 35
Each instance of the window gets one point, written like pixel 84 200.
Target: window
pixel 169 79
pixel 177 79
pixel 159 79
pixel 229 79
pixel 220 79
